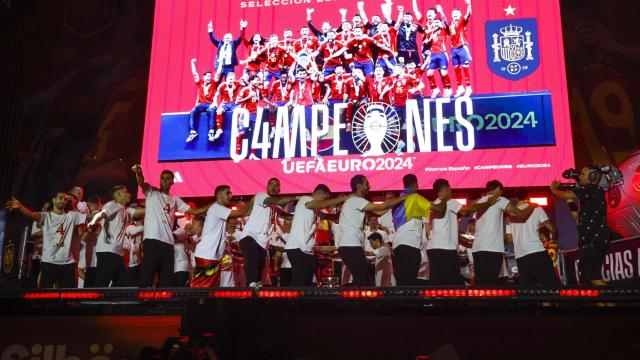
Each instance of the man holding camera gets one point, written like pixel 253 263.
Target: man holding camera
pixel 593 231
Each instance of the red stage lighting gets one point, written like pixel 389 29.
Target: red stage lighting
pixel 491 293
pixel 146 295
pixel 580 293
pixel 80 295
pixel 41 295
pixel 361 294
pixel 279 294
pixel 444 293
pixel 231 294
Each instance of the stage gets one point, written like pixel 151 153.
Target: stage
pixel 350 323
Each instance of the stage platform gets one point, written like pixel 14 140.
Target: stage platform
pixel 368 323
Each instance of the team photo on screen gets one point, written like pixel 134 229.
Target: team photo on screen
pixel 327 90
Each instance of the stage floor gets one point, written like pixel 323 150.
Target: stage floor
pixel 351 323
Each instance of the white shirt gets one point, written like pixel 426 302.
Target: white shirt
pixel 444 231
pixel 526 239
pixel 133 242
pixel 259 225
pixel 351 222
pixel 490 227
pixel 181 256
pixel 335 231
pixel 225 54
pixel 410 234
pixel 214 233
pixel 367 243
pixel 82 207
pixel 286 264
pixel 386 220
pixel 303 227
pixel 384 267
pixel 58 245
pixel 160 214
pixel 112 236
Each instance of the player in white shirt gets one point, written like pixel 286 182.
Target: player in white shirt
pixel 227 275
pixel 234 234
pixel 159 220
pixel 373 225
pixel 59 247
pixel 133 247
pixel 534 263
pixel 383 265
pixel 115 216
pixel 78 193
pixel 351 224
pixel 488 246
pixel 88 261
pixel 210 249
pixel 299 248
pixel 409 219
pixel 257 229
pixel 442 249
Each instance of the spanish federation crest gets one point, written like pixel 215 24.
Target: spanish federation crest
pixel 512 47
pixel 7 261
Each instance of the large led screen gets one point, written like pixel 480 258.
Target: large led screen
pixel 464 90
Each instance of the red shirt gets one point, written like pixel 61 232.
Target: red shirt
pixel 357 89
pixel 303 93
pixel 345 37
pixel 328 49
pixel 279 93
pixel 228 94
pixel 376 87
pixel 459 33
pixel 205 93
pixel 252 103
pixel 287 45
pixel 274 57
pixel 388 40
pixel 338 86
pixel 426 25
pixel 255 50
pixel 401 87
pixel 310 45
pixel 362 48
pixel 439 45
pixel 317 92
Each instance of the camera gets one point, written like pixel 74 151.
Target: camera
pixel 610 177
